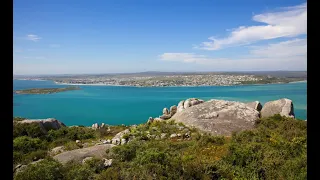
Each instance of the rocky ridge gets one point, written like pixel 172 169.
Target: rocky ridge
pixel 220 117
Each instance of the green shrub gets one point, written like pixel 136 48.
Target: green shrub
pixel 44 170
pixel 27 144
pixel 35 155
pixel 96 165
pixel 110 173
pixel 71 145
pixel 27 129
pixel 78 172
pixel 126 152
pixel 206 139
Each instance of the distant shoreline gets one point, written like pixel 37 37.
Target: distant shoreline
pixel 69 84
pixel 298 81
pixel 99 84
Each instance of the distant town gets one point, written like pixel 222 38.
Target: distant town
pixel 173 79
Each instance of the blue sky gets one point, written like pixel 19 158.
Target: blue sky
pixel 74 37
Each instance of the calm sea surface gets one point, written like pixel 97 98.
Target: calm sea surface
pixel 134 105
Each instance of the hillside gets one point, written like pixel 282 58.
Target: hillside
pixel 274 149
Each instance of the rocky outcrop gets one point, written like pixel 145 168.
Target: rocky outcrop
pixel 95 126
pixel 118 138
pixel 255 105
pixel 45 124
pixel 217 117
pixel 188 103
pixel 283 106
pixel 98 151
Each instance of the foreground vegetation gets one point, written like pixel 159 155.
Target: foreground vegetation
pixel 46 90
pixel 275 149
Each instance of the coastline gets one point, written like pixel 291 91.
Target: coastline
pixel 100 84
pixel 96 84
pixel 298 81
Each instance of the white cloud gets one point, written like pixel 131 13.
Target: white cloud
pixel 55 45
pixel 295 47
pixel 286 55
pixel 33 37
pixel 289 22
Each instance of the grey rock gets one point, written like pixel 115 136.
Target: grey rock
pixel 163 135
pixel 120 134
pixel 35 162
pixel 283 106
pixel 180 106
pixel 218 117
pixel 123 141
pixel 165 111
pixel 45 124
pixel 173 135
pixel 165 116
pixel 157 119
pixel 98 151
pixel 255 105
pixel 116 141
pixel 188 103
pixel 107 162
pixel 95 126
pixel 19 168
pixel 57 150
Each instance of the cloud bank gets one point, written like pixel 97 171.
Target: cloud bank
pixel 289 22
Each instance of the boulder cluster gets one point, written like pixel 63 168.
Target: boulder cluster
pixel 96 126
pixel 167 114
pixel 222 117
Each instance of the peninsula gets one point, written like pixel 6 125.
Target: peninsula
pixel 46 90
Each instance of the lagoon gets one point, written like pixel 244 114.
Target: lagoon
pixel 134 105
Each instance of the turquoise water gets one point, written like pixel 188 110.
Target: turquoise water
pixel 134 105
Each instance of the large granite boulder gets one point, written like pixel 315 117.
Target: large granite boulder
pixel 255 105
pixel 218 117
pixel 283 106
pixel 188 103
pixel 45 124
pixel 98 151
pixel 165 111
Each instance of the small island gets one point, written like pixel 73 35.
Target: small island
pixel 46 90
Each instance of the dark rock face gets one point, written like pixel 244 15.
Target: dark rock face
pixel 218 117
pixel 45 124
pixel 173 110
pixel 283 106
